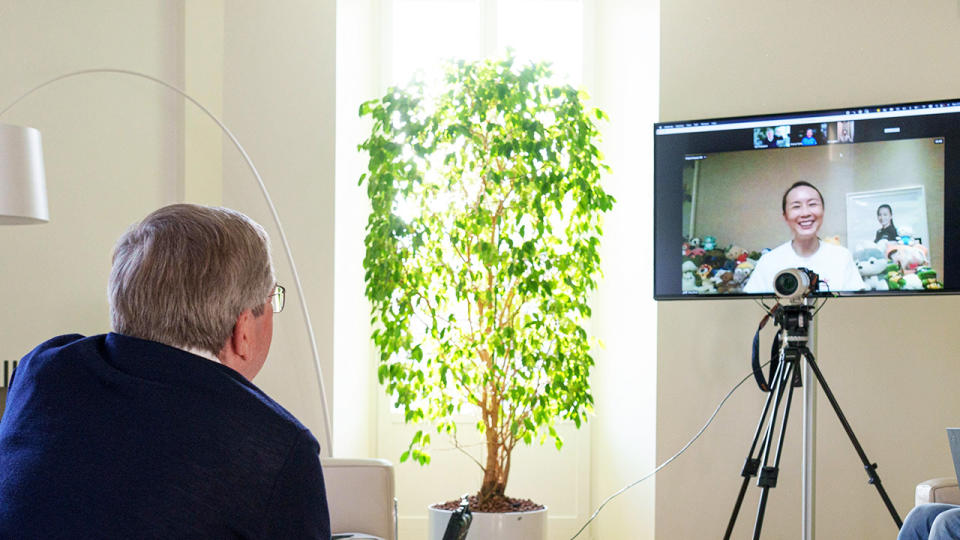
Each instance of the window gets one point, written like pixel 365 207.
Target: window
pixel 419 34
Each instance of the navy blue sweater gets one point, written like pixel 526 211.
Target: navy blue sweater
pixel 116 437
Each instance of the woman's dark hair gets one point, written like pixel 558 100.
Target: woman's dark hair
pixel 882 206
pixel 783 202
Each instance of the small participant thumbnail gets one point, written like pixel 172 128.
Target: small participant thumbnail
pixel 771 137
pixel 840 132
pixel 809 135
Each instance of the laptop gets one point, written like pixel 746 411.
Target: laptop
pixel 953 434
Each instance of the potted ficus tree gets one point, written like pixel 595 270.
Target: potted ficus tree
pixel 481 252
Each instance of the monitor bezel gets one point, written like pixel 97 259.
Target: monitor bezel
pixel 667 249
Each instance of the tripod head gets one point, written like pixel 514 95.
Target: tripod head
pixel 793 313
pixel 794 322
pixel 789 344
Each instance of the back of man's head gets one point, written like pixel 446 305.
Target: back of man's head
pixel 185 273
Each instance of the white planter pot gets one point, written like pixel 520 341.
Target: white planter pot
pixel 502 526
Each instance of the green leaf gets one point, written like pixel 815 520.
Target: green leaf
pixel 482 249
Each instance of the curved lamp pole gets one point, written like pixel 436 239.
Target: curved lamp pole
pixel 327 448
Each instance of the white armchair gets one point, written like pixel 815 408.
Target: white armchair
pixel 361 497
pixel 938 490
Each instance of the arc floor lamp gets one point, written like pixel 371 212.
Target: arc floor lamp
pixel 23 195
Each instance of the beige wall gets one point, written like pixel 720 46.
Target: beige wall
pixel 112 153
pixel 279 99
pixel 894 384
pixel 114 149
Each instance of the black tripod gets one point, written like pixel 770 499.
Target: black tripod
pixel 794 321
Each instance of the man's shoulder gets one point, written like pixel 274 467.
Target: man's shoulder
pixel 56 344
pixel 274 412
pixel 46 354
pixel 221 389
pixel 160 374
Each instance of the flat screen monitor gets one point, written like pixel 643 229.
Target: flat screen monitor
pixel 863 197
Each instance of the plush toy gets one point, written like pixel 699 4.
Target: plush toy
pixel 714 258
pixel 866 250
pixel 695 242
pixel 709 243
pixel 685 249
pixel 872 265
pixel 912 282
pixel 688 283
pixel 894 277
pixel 696 252
pixel 928 277
pixel 742 272
pixel 908 257
pixel 736 253
pixel 707 287
pixel 704 272
pixel 726 282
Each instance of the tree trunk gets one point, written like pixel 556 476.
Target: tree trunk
pixel 497 468
pixel 494 481
pixel 498 464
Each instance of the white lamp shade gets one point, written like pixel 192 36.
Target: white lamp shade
pixel 23 185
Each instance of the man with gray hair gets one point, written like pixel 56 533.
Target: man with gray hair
pixel 155 430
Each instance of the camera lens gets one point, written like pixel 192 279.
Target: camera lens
pixel 786 284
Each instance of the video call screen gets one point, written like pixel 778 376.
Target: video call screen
pixel 870 216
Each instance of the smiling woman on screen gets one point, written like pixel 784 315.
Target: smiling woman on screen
pixel 803 208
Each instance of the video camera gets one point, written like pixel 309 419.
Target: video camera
pixel 793 285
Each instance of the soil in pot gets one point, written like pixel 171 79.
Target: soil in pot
pixel 495 505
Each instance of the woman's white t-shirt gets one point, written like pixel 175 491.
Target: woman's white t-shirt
pixel 831 262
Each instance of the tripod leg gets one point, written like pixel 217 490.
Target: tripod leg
pixel 752 464
pixel 871 468
pixel 768 475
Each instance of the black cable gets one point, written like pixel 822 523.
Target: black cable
pixel 766 309
pixel 675 456
pixel 817 310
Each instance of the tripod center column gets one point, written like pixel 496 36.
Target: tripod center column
pixel 808 463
